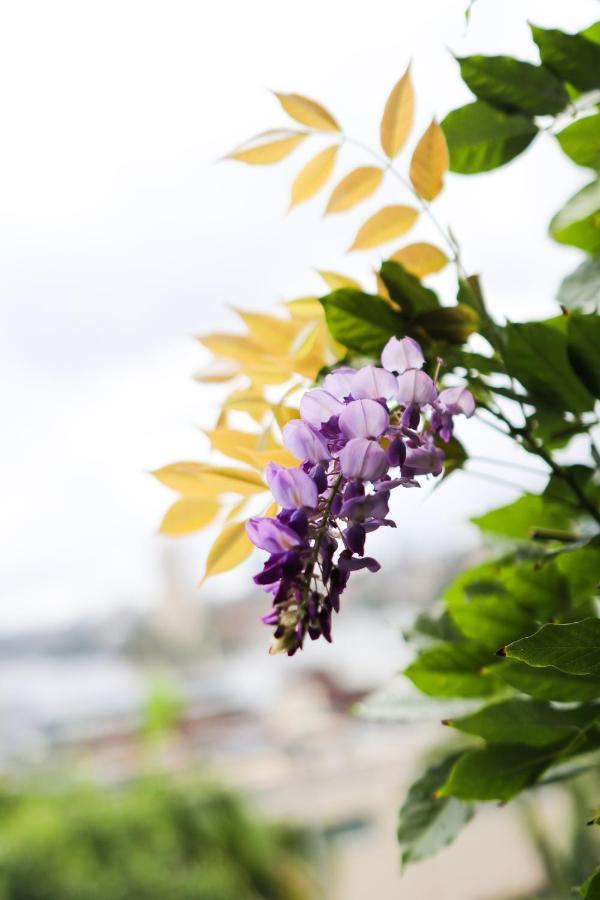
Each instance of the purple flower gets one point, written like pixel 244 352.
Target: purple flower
pixel 319 406
pixel 271 535
pixel 305 442
pixel 375 383
pixel 427 460
pixel 397 356
pixel 457 400
pixel 364 459
pixel 292 488
pixel 363 418
pixel 415 387
pixel 340 382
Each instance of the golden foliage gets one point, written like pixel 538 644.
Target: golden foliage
pixel 389 223
pixel 354 187
pixel 307 112
pixel 268 147
pixel 189 514
pixel 231 547
pixel 429 163
pixel 314 175
pixel 421 259
pixel 398 116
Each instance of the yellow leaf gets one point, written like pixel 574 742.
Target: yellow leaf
pixel 218 371
pixel 421 259
pixel 232 346
pixel 188 514
pixel 261 458
pixel 390 222
pixel 234 512
pixel 313 176
pixel 354 187
pixel 201 480
pixel 429 163
pixel 269 147
pixel 381 288
pixel 249 401
pixel 334 280
pixel 232 442
pixel 305 308
pixel 271 510
pixel 284 414
pixel 230 548
pixel 307 112
pixel 398 116
pixel 268 331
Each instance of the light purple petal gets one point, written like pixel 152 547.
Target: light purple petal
pixel 340 382
pixel 319 406
pixel 375 383
pixel 271 535
pixel 397 356
pixel 458 400
pixel 415 387
pixel 363 459
pixel 364 418
pixel 305 442
pixel 424 460
pixel 292 488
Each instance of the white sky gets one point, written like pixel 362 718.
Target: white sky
pixel 120 238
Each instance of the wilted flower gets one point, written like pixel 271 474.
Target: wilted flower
pixel 364 433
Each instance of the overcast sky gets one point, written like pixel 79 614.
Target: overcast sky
pixel 121 237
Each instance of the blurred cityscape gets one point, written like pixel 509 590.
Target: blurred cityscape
pixel 284 733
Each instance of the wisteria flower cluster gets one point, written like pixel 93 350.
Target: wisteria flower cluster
pixel 363 433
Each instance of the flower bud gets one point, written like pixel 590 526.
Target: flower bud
pixel 271 535
pixel 396 452
pixel 397 356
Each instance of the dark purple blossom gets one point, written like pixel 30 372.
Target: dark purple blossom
pixel 360 436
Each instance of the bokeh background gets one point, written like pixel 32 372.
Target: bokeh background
pixel 123 235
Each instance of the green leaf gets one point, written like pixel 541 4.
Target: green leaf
pixel 549 683
pixel 590 889
pixel 573 648
pixel 428 822
pixel 592 33
pixel 573 57
pixel 454 670
pixel 498 772
pixel 581 289
pixel 531 722
pixel 581 141
pixel 581 568
pixel 550 426
pixel 536 354
pixel 481 138
pixel 578 222
pixel 361 322
pixel 494 605
pixel 455 456
pixel 583 336
pixel 514 85
pixel 407 291
pixel 449 323
pixel 516 520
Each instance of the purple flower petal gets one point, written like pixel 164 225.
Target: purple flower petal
pixel 458 400
pixel 415 387
pixel 305 442
pixel 397 356
pixel 292 488
pixel 340 382
pixel 364 419
pixel 319 406
pixel 363 459
pixel 374 383
pixel 425 460
pixel 271 535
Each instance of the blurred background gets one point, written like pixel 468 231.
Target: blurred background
pixel 122 236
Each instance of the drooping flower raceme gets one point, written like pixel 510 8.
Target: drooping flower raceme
pixel 362 434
